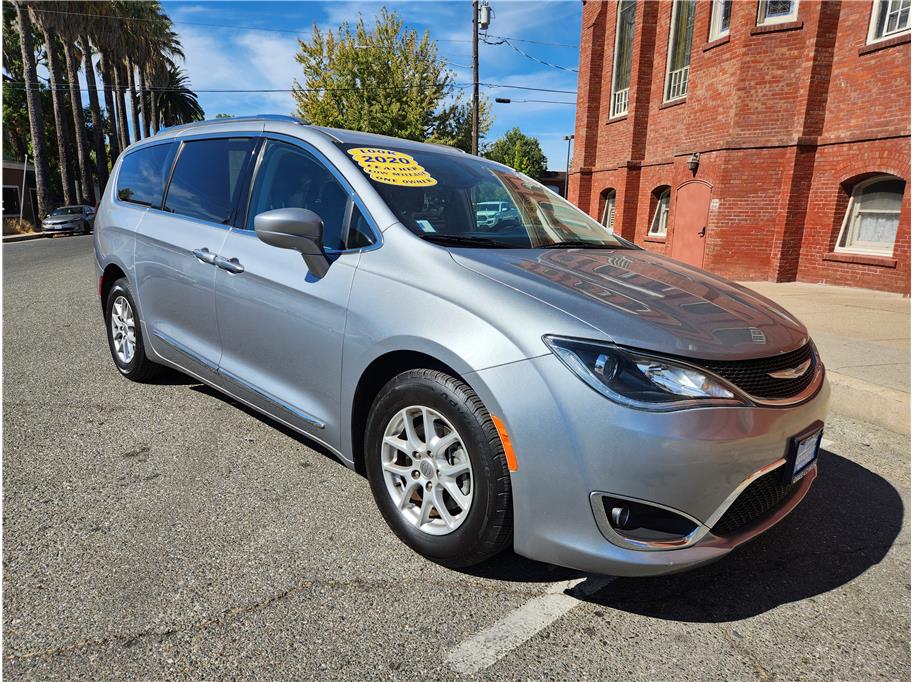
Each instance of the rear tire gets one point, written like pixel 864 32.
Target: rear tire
pixel 448 497
pixel 125 338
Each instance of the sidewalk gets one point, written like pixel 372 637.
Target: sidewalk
pixel 863 338
pixel 24 237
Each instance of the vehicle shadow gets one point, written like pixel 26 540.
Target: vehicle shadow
pixel 281 428
pixel 846 524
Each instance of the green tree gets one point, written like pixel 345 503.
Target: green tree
pixel 35 107
pixel 384 80
pixel 177 103
pixel 454 123
pixel 519 151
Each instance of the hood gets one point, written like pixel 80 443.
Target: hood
pixel 56 219
pixel 645 300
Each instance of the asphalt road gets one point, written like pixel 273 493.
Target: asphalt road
pixel 162 532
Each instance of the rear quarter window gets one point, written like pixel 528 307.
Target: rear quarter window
pixel 143 174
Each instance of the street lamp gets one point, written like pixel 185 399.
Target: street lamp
pixel 569 139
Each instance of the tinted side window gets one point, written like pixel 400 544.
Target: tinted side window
pixel 359 231
pixel 290 177
pixel 143 173
pixel 207 178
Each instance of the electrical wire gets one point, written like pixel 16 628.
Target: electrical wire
pixel 65 86
pixel 206 24
pixel 506 41
pixel 532 42
pixel 537 101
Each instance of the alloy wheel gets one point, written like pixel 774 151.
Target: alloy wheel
pixel 123 330
pixel 427 470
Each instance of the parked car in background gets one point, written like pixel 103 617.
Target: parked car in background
pixel 542 384
pixel 70 219
pixel 491 213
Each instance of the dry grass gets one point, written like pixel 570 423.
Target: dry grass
pixel 15 226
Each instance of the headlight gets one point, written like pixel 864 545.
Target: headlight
pixel 642 380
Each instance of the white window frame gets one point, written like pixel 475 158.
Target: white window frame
pixel 875 17
pixel 851 218
pixel 682 75
pixel 610 202
pixel 7 214
pixel 778 19
pixel 658 226
pixel 715 20
pixel 620 99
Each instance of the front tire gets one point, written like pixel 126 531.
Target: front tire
pixel 125 335
pixel 437 469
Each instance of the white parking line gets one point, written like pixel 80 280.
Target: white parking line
pixel 489 646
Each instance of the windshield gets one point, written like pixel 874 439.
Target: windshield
pixel 67 210
pixel 467 201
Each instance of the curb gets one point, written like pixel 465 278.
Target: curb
pixel 867 402
pixel 24 237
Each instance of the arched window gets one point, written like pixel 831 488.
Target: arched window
pixel 609 197
pixel 872 216
pixel 659 225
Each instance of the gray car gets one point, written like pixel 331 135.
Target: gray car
pixel 540 384
pixel 71 219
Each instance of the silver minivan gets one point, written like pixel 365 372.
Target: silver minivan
pixel 537 382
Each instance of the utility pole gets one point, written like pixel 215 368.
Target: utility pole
pixel 475 76
pixel 569 139
pixel 481 18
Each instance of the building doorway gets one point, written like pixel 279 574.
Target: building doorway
pixel 691 215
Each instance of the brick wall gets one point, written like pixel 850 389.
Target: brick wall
pixel 786 119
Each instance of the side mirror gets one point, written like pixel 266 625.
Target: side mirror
pixel 297 229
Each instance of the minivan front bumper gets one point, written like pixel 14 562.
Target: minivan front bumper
pixel 573 446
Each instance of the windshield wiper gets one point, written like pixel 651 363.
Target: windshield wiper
pixel 465 240
pixel 577 244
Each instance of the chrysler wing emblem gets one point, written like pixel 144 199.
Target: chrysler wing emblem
pixel 792 372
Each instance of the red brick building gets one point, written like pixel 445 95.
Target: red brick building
pixel 760 140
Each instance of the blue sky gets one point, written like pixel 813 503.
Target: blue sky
pixel 220 58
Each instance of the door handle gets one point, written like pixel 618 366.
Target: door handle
pixel 205 256
pixel 702 232
pixel 229 264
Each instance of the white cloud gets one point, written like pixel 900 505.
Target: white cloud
pixel 248 60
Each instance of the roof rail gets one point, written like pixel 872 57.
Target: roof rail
pixel 233 119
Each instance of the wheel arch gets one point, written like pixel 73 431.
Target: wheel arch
pixel 111 274
pixel 373 378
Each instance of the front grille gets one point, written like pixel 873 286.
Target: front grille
pixel 757 499
pixel 752 376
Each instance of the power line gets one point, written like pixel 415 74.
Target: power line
pixel 533 42
pixel 506 41
pixel 207 24
pixel 65 86
pixel 525 87
pixel 535 101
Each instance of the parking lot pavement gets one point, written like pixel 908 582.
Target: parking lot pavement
pixel 162 531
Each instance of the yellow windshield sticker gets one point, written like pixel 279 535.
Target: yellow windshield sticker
pixel 391 167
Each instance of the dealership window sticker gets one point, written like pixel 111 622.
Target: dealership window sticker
pixel 391 167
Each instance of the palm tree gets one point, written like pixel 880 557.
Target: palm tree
pixel 36 114
pixel 72 58
pixel 120 90
pixel 160 47
pixel 101 158
pixel 59 19
pixel 134 99
pixel 107 77
pixel 64 135
pixel 177 103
